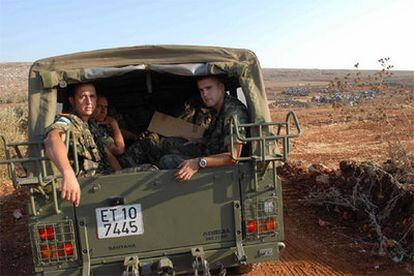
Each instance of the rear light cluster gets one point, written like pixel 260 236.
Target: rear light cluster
pixel 54 242
pixel 260 218
pixel 261 226
pixel 51 252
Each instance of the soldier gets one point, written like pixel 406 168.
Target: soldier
pixel 93 156
pixel 107 127
pixel 150 146
pixel 215 146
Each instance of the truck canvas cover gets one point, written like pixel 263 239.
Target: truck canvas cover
pixel 47 75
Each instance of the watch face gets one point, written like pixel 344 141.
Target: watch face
pixel 202 163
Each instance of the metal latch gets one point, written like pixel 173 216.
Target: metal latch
pixel 131 264
pixel 199 261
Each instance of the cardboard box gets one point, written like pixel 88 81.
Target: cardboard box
pixel 174 127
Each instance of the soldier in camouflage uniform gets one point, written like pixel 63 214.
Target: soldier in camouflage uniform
pixel 151 147
pixel 92 154
pixel 215 147
pixel 107 128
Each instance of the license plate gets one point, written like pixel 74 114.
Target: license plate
pixel 119 221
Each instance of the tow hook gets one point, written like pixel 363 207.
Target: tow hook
pixel 165 267
pixel 281 245
pixel 131 264
pixel 199 261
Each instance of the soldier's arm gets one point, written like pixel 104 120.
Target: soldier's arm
pixel 191 166
pixel 113 162
pixel 224 159
pixel 56 151
pixel 118 147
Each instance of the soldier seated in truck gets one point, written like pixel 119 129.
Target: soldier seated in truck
pixel 150 146
pixel 107 127
pixel 94 157
pixel 214 150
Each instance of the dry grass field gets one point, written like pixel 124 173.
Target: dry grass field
pixel 357 123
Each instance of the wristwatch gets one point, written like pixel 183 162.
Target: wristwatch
pixel 202 163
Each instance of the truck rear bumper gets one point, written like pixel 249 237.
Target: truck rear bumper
pixel 182 263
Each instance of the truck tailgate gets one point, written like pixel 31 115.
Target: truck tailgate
pixel 151 211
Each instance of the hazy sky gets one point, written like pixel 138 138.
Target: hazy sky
pixel 283 33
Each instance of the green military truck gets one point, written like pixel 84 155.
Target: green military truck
pixel 146 222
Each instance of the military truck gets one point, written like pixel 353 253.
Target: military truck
pixel 146 222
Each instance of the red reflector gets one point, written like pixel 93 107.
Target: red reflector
pixel 48 251
pixel 50 233
pixel 65 249
pixel 42 234
pixel 264 226
pixel 251 226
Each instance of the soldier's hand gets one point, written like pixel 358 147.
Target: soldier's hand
pixel 187 169
pixel 70 189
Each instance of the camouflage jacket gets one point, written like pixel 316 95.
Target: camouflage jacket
pixel 101 132
pixel 217 136
pixel 196 114
pixel 90 155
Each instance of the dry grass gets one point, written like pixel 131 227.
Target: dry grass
pixel 13 98
pixel 13 125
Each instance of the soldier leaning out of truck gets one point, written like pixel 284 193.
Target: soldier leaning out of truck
pixel 93 156
pixel 213 150
pixel 215 145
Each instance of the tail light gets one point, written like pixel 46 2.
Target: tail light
pixel 251 226
pixel 260 217
pixel 267 225
pixel 47 233
pixel 54 242
pixel 67 249
pixel 50 252
pixel 262 226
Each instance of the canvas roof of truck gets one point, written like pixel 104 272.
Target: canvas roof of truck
pixel 46 75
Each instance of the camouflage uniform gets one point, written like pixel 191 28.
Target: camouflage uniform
pixel 91 154
pixel 216 137
pixel 103 132
pixel 153 146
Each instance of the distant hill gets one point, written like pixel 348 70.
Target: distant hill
pixel 14 76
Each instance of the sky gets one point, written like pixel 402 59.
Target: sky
pixel 323 34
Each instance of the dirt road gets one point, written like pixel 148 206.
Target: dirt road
pixel 312 249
